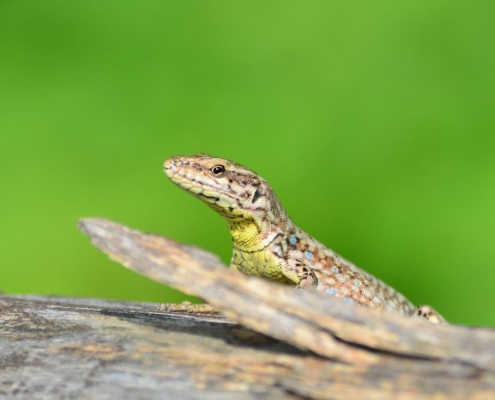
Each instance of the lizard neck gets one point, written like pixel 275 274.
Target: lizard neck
pixel 251 235
pixel 247 235
pixel 253 232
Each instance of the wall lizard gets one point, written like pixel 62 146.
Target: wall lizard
pixel 268 244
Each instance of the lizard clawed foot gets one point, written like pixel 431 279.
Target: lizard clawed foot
pixel 187 307
pixel 428 313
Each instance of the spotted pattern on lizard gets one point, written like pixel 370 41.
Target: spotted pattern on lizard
pixel 268 244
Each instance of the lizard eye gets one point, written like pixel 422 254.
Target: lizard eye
pixel 218 170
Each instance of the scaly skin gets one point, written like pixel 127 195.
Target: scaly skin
pixel 268 244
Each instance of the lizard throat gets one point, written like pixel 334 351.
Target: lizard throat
pixel 247 235
pixel 250 232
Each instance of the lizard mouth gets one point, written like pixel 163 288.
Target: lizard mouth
pixel 177 171
pixel 192 179
pixel 169 166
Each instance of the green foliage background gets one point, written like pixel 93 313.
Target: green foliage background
pixel 373 121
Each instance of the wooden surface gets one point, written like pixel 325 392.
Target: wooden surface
pixel 301 344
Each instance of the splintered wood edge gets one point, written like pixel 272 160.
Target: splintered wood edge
pixel 308 320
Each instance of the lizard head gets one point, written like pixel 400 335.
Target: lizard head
pixel 237 193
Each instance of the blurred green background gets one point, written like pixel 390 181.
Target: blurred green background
pixel 373 121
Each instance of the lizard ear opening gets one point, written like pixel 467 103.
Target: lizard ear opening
pixel 256 195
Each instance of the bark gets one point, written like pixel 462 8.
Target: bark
pixel 273 341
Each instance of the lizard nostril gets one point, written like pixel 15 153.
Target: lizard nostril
pixel 167 164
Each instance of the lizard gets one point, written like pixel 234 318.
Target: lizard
pixel 268 244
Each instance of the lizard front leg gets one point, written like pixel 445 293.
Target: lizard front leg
pixel 428 313
pixel 187 307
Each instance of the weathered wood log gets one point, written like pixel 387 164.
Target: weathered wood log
pixel 325 348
